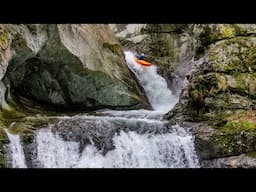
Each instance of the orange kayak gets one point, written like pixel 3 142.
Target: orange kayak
pixel 142 62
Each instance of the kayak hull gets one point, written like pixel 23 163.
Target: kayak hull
pixel 142 62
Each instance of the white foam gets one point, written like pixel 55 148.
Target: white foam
pixel 132 150
pixel 155 86
pixel 16 150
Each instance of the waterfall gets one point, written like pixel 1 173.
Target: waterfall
pixel 160 97
pixel 155 86
pixel 55 153
pixel 116 139
pixel 17 153
pixel 171 150
pixel 132 150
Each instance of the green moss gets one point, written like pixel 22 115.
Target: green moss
pixel 218 93
pixel 245 84
pixel 4 41
pixel 221 82
pixel 215 32
pixel 240 83
pixel 229 121
pixel 235 137
pixel 115 48
pixel 214 83
pixel 2 162
pixel 9 116
pixel 227 31
pixel 230 68
pixel 238 30
pixel 26 126
pixel 231 144
pixel 201 87
pixel 237 126
pixel 251 154
pixel 234 55
pixel 22 125
pixel 205 85
pixel 213 57
pixel 216 120
pixel 17 122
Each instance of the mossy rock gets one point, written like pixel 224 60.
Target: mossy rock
pixel 71 87
pixel 244 84
pixel 227 80
pixel 230 89
pixel 227 140
pixel 4 38
pixel 22 124
pixel 202 86
pixel 235 138
pixel 234 55
pixel 48 70
pixel 211 33
pixel 165 28
pixel 115 48
pixel 221 91
pixel 237 135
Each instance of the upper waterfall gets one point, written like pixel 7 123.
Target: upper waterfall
pixel 160 96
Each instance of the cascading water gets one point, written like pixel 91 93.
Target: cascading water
pixel 54 152
pixel 132 150
pixel 155 86
pixel 148 151
pixel 17 153
pixel 120 139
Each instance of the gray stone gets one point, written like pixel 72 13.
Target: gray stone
pixel 71 67
pixel 240 161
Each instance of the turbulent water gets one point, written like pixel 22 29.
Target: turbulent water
pixel 132 150
pixel 155 86
pixel 148 151
pixel 53 152
pixel 116 139
pixel 160 97
pixel 18 158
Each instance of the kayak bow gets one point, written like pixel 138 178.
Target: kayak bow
pixel 142 62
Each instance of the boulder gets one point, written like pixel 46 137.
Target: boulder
pixel 69 67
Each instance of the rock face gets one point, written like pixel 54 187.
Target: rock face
pixel 70 67
pixel 241 161
pixel 220 92
pixel 217 64
pixel 82 67
pixel 61 68
pixel 169 46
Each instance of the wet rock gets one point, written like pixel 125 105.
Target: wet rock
pixel 69 67
pixel 240 161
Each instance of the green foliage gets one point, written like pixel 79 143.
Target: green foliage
pixel 237 126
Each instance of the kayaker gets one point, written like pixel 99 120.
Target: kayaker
pixel 141 59
pixel 141 56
